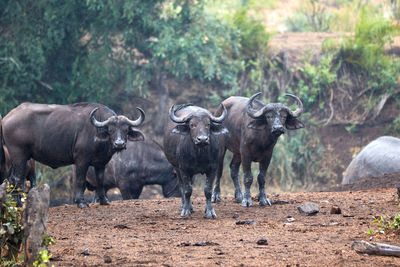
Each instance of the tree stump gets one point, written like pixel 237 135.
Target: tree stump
pixel 35 220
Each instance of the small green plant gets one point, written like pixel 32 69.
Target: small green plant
pixel 385 224
pixel 11 227
pixel 43 258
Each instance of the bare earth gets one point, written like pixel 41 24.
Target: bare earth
pixel 152 233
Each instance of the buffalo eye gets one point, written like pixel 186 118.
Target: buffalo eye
pixel 191 125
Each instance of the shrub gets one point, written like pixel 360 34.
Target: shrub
pixel 11 228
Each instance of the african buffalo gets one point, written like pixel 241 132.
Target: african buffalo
pixel 142 163
pixel 5 164
pixel 254 128
pixel 381 156
pixel 84 134
pixel 193 143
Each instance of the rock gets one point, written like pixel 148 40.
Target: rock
pixel 247 221
pixel 86 252
pixel 290 219
pixel 308 209
pixel 335 210
pixel 205 243
pixel 262 241
pixel 235 216
pixel 35 220
pixel 107 259
pixel 3 191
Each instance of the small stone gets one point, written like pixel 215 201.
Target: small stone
pixel 308 209
pixel 235 216
pixel 86 252
pixel 335 210
pixel 247 221
pixel 262 241
pixel 107 259
pixel 290 219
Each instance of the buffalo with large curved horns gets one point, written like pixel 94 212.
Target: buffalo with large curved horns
pixel 84 134
pixel 254 129
pixel 193 144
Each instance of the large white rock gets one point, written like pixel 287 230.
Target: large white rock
pixel 381 156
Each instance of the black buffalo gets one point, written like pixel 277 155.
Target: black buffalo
pixel 193 143
pixel 254 128
pixel 5 164
pixel 142 163
pixel 84 134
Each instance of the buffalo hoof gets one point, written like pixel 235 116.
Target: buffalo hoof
pixel 264 201
pixel 238 196
pixel 104 201
pixel 82 205
pixel 210 214
pixel 247 202
pixel 216 197
pixel 186 212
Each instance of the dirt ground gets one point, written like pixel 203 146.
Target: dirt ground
pixel 152 233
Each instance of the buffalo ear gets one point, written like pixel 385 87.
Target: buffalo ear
pixel 182 129
pixel 259 124
pixel 217 129
pixel 293 124
pixel 135 135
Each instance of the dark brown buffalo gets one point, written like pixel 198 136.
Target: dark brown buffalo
pixel 142 163
pixel 5 164
pixel 84 134
pixel 254 128
pixel 194 143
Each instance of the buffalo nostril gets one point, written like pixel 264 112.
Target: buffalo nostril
pixel 278 129
pixel 202 139
pixel 119 143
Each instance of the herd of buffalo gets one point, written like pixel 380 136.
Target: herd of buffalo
pixel 87 135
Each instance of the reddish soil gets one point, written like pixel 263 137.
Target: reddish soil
pixel 152 233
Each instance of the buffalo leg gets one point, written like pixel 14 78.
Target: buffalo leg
pixel 125 193
pixel 262 197
pixel 17 178
pixel 100 186
pixel 187 207
pixel 234 166
pixel 216 194
pixel 248 180
pixel 80 186
pixel 210 212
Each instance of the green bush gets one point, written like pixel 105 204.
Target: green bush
pixel 11 228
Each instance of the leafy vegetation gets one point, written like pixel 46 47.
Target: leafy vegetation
pixel 385 224
pixel 11 227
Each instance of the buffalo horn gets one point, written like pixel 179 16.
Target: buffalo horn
pixel 175 118
pixel 138 121
pixel 300 108
pixel 95 122
pixel 220 118
pixel 255 114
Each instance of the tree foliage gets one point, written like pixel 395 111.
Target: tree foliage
pixel 97 50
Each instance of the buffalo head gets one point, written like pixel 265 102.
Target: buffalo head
pixel 274 117
pixel 198 122
pixel 118 129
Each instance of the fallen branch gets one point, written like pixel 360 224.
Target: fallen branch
pixel 381 249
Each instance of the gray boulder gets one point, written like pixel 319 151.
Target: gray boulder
pixel 381 156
